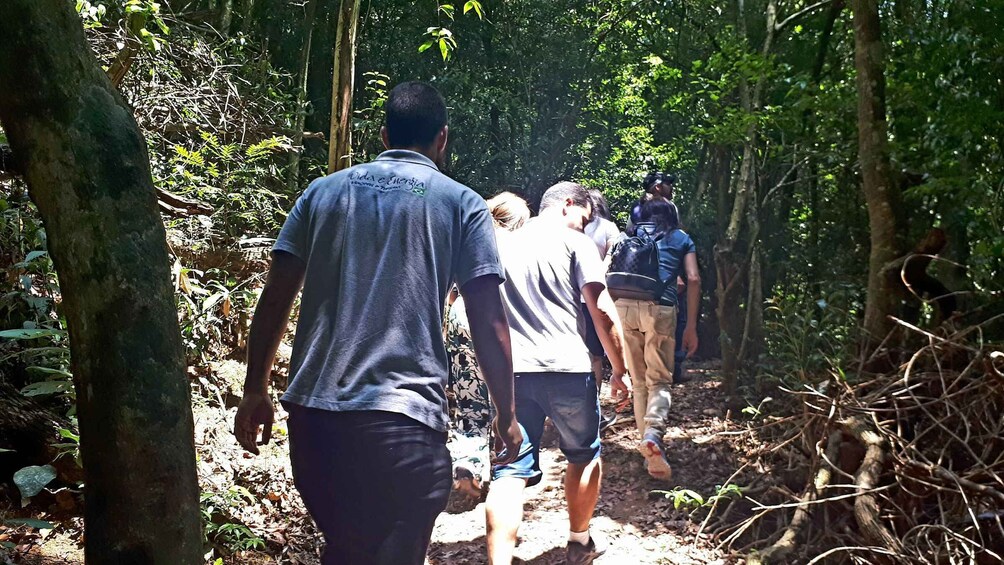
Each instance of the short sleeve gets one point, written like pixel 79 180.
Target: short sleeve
pixel 611 233
pixel 478 254
pixel 688 245
pixel 293 238
pixel 588 267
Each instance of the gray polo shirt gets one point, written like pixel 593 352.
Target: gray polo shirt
pixel 383 243
pixel 546 267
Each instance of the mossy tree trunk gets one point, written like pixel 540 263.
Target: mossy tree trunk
pixel 87 169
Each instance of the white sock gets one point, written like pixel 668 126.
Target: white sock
pixel 581 538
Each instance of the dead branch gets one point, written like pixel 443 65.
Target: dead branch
pixel 179 206
pixel 921 457
pixel 866 508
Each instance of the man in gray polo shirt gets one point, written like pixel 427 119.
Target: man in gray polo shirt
pixel 551 267
pixel 376 248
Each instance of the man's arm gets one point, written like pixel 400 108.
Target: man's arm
pixel 492 346
pixel 271 316
pixel 608 328
pixel 693 303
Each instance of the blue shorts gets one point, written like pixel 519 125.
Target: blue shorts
pixel 572 402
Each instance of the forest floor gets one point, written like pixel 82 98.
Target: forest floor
pixel 641 524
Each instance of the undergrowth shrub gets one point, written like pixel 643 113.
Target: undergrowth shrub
pixel 808 337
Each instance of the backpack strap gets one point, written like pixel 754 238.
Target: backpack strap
pixel 663 283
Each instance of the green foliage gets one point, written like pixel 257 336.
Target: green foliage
pixel 91 13
pixel 213 307
pixel 35 339
pixel 368 118
pixel 141 15
pixel 142 19
pixel 219 529
pixel 232 177
pixel 443 38
pixel 806 338
pixel 32 479
pixel 29 522
pixel 692 500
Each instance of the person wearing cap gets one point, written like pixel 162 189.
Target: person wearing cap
pixel 656 184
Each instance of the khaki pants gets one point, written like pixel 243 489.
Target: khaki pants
pixel 649 335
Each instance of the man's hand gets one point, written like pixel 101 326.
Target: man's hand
pixel 255 411
pixel 690 341
pixel 620 388
pixel 508 440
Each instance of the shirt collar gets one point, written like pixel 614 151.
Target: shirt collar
pixel 407 156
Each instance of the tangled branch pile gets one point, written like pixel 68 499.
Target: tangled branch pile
pixel 905 467
pixel 187 86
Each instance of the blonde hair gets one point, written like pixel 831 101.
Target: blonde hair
pixel 509 211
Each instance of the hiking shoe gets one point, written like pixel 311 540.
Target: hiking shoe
pixel 578 554
pixel 607 420
pixel 655 459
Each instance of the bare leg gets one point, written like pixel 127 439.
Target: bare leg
pixel 504 513
pixel 582 489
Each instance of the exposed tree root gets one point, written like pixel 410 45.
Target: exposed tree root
pixel 789 540
pixel 912 471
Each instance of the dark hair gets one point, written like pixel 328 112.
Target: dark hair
pixel 655 178
pixel 557 194
pixel 416 112
pixel 600 207
pixel 662 213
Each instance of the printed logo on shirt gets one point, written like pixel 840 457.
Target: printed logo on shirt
pixel 387 183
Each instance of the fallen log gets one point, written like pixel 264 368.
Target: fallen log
pixel 866 507
pixel 179 206
pixel 230 134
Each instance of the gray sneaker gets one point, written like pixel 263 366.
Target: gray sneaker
pixel 578 554
pixel 655 459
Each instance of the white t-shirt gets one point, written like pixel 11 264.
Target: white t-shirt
pixel 546 267
pixel 603 232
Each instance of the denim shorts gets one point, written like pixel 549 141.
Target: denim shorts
pixel 572 402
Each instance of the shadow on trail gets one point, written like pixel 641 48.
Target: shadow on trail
pixel 473 552
pixel 640 527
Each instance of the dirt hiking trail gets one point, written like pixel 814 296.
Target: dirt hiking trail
pixel 640 524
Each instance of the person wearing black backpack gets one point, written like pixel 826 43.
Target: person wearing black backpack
pixel 642 278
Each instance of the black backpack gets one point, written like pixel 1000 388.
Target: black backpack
pixel 634 268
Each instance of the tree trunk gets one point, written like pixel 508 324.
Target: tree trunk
pixel 248 9
pixel 809 132
pixel 880 194
pixel 226 17
pixel 293 180
pixel 728 267
pixel 342 82
pixel 88 172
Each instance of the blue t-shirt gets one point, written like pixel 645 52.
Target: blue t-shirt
pixel 673 247
pixel 383 243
